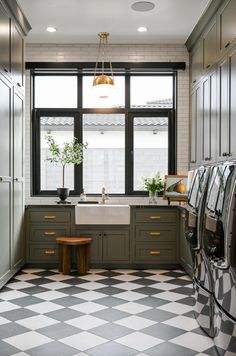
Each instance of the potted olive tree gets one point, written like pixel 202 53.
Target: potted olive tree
pixel 154 185
pixel 70 153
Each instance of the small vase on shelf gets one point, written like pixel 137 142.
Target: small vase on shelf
pixel 152 197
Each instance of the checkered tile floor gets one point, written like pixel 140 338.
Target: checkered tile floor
pixel 104 313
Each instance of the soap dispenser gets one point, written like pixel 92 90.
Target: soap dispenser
pixel 83 196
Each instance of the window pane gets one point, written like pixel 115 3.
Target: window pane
pixel 151 92
pixel 150 148
pixel 62 130
pixel 90 99
pixel 104 162
pixel 56 91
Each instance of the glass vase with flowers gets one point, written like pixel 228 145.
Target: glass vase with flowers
pixel 154 185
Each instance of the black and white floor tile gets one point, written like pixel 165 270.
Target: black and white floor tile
pixel 104 313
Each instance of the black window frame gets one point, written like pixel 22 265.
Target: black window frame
pixel 129 112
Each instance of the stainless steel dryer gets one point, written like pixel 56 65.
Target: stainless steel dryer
pixel 202 281
pixel 219 243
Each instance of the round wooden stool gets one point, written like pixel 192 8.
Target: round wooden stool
pixel 82 254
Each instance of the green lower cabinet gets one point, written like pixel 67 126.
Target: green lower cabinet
pixel 107 245
pixel 116 246
pixel 43 253
pixel 150 239
pixel 155 253
pixel 48 233
pixel 96 245
pixel 155 233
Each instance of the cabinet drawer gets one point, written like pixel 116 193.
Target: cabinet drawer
pixel 155 252
pixel 155 233
pixel 43 253
pixel 48 233
pixel 154 216
pixel 50 216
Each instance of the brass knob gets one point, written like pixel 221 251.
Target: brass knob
pixel 154 252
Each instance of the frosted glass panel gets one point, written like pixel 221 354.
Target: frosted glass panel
pixel 151 92
pixel 56 91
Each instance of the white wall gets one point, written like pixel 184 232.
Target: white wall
pixel 135 53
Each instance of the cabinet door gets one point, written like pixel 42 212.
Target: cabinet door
pixel 5 223
pixel 227 24
pixel 209 89
pixel 5 128
pixel 18 184
pixel 115 246
pixel 17 56
pixel 5 40
pixel 223 149
pixel 196 127
pixel 209 46
pixel 96 245
pixel 196 60
pixel 232 101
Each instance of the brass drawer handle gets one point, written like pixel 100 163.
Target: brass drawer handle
pixel 49 216
pixel 49 233
pixel 49 252
pixel 154 252
pixel 154 217
pixel 152 233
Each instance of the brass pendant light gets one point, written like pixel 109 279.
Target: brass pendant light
pixel 104 82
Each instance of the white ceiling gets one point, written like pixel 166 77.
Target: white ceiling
pixel 79 21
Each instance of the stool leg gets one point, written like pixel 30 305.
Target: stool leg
pixel 81 267
pixel 60 258
pixel 66 263
pixel 87 255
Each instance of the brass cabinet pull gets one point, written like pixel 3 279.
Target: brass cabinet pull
pixel 154 233
pixel 49 252
pixel 49 233
pixel 154 252
pixel 154 217
pixel 49 216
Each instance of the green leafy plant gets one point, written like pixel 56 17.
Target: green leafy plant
pixel 70 153
pixel 154 184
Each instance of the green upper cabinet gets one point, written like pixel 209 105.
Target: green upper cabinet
pixel 226 25
pixel 232 102
pixel 223 111
pixel 196 126
pixel 196 62
pixel 210 45
pixel 5 34
pixel 209 117
pixel 17 56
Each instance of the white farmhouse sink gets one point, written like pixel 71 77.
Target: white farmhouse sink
pixel 96 214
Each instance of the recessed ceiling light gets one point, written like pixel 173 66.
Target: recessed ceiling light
pixel 142 29
pixel 51 29
pixel 143 6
